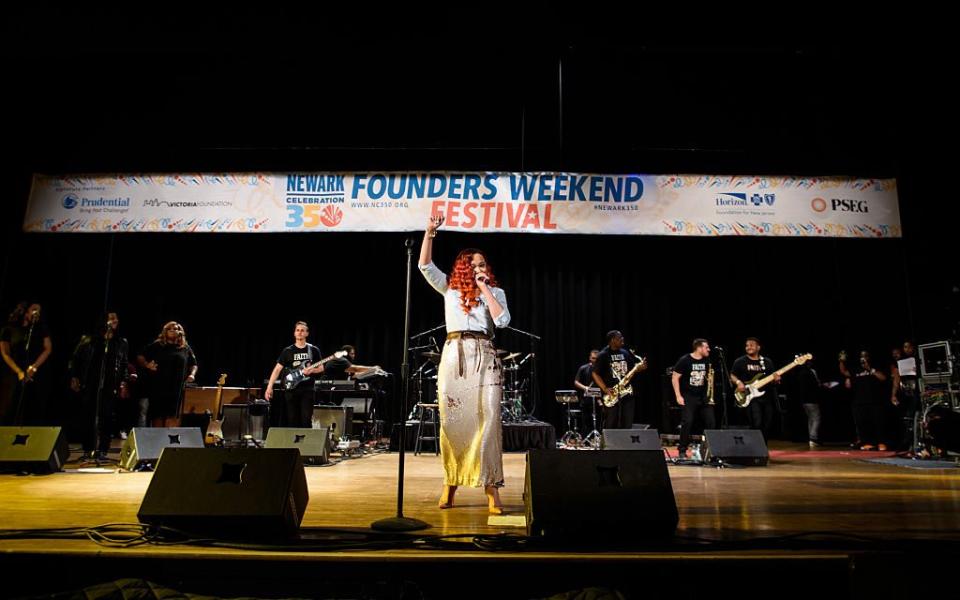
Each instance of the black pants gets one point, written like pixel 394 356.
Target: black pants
pixel 906 413
pixel 300 406
pixel 25 402
pixel 760 412
pixel 620 415
pixel 870 423
pixel 694 409
pixel 104 421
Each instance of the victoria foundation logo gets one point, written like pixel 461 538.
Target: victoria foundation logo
pixel 70 202
pixel 818 204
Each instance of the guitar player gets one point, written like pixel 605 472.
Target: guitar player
pixel 746 368
pixel 298 402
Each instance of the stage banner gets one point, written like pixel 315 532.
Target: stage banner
pixel 676 205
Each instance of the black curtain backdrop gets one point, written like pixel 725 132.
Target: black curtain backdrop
pixel 238 296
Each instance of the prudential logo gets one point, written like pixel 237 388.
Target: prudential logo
pixel 70 201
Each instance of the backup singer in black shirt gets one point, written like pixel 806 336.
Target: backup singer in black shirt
pixel 167 363
pixel 24 385
pixel 99 374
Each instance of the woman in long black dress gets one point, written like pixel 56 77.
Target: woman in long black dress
pixel 168 364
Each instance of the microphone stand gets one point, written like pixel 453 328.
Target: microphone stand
pixel 535 387
pixel 423 333
pixel 725 376
pixel 97 403
pixel 399 522
pixel 23 384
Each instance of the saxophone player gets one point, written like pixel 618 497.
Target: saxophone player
pixel 691 387
pixel 613 364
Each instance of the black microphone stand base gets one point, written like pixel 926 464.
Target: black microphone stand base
pixel 399 524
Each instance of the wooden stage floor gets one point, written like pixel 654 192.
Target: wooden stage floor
pixel 802 491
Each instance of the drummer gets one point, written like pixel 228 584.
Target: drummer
pixel 584 378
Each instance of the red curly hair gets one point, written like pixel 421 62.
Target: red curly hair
pixel 462 279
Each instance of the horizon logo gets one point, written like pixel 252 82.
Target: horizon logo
pixel 731 199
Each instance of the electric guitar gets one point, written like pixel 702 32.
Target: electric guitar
pixel 753 387
pixel 215 427
pixel 294 377
pixel 623 386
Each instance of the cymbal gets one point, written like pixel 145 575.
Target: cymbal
pixel 512 355
pixel 433 356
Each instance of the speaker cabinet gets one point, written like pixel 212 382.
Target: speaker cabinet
pixel 631 439
pixel 32 449
pixel 144 444
pixel 619 495
pixel 313 444
pixel 338 419
pixel 736 446
pixel 228 492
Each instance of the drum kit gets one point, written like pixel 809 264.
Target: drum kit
pixel 512 408
pixel 570 399
pixel 937 423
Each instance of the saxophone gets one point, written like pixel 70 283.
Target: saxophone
pixel 710 385
pixel 623 386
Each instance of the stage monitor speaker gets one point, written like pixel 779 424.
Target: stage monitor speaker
pixel 338 419
pixel 144 444
pixel 228 492
pixel 313 444
pixel 33 449
pixel 622 495
pixel 735 446
pixel 631 439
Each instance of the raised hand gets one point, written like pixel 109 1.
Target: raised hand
pixel 434 223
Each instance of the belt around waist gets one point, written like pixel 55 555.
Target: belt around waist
pixel 455 335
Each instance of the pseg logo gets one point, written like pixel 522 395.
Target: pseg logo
pixel 70 201
pixel 840 205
